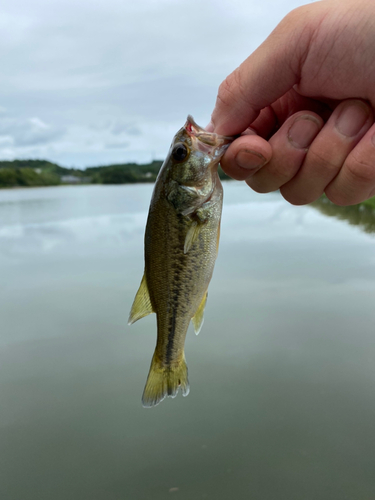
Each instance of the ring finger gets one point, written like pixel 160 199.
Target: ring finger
pixel 327 154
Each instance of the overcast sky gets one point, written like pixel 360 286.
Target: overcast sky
pixel 93 82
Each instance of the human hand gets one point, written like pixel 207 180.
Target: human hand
pixel 304 103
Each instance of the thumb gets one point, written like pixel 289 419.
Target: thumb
pixel 266 75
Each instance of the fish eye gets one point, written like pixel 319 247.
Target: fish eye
pixel 180 152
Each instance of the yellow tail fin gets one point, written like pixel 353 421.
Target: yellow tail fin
pixel 165 381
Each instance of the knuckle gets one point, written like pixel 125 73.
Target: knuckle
pixel 289 21
pixel 259 187
pixel 227 90
pixel 357 173
pixel 232 90
pixel 360 169
pixel 337 197
pixel 293 17
pixel 283 172
pixel 294 197
pixel 282 169
pixel 322 160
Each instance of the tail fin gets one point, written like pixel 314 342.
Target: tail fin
pixel 164 381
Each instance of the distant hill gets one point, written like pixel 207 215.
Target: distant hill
pixel 124 173
pixel 44 165
pixel 29 173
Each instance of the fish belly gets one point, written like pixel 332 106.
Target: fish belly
pixel 177 281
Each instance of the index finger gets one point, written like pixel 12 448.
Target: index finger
pixel 266 75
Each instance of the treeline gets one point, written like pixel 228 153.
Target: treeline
pixel 27 177
pixel 44 173
pixel 29 173
pixel 124 173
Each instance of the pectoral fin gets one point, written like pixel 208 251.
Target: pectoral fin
pixel 191 235
pixel 197 319
pixel 142 304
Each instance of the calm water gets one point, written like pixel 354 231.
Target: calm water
pixel 282 401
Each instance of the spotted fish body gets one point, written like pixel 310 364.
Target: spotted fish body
pixel 181 243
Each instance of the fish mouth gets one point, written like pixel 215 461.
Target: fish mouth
pixel 207 142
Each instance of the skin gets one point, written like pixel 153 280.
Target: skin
pixel 304 104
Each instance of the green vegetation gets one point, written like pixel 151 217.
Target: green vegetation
pixel 369 203
pixel 124 173
pixel 25 173
pixel 362 214
pixel 27 177
pixel 31 173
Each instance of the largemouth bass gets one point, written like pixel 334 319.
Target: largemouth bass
pixel 181 244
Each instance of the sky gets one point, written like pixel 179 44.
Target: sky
pixel 95 82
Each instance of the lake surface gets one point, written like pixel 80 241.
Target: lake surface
pixel 282 375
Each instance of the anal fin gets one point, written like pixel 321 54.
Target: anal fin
pixel 197 319
pixel 142 303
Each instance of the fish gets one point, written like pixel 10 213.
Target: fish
pixel 180 249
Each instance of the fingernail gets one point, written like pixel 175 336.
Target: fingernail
pixel 250 160
pixel 209 127
pixel 352 117
pixel 303 131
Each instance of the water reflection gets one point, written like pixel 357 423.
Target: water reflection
pixel 357 215
pixel 282 376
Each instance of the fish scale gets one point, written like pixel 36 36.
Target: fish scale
pixel 181 243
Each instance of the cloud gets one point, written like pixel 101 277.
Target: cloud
pixel 117 145
pixel 120 126
pixel 107 77
pixel 28 132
